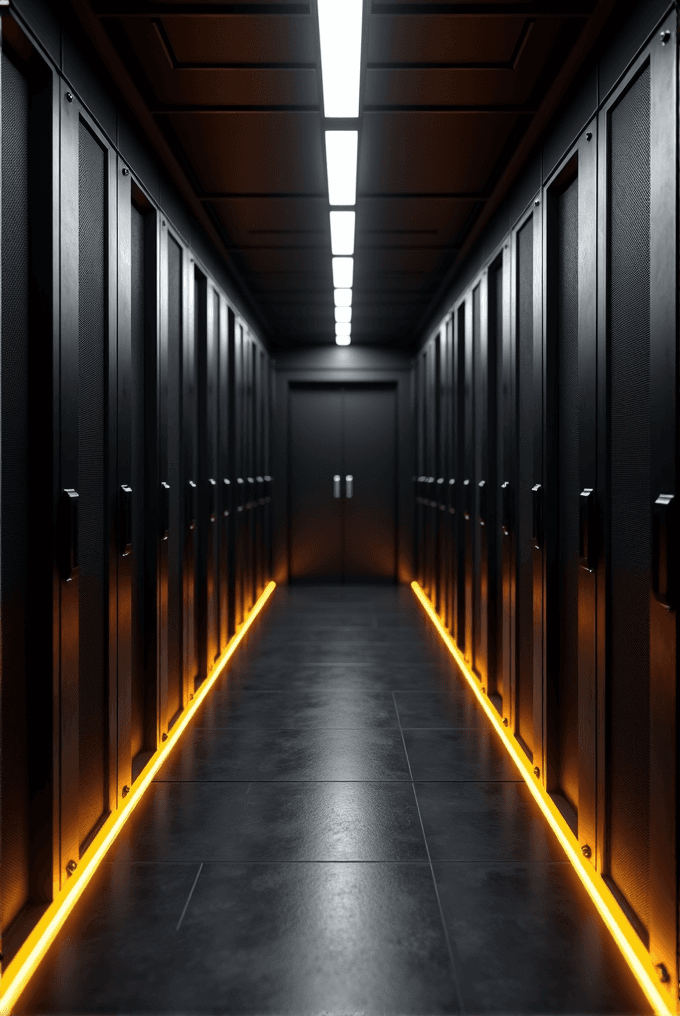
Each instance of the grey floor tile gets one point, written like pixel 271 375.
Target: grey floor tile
pixel 281 755
pixel 529 941
pixel 454 707
pixel 485 822
pixel 359 705
pixel 274 822
pixel 458 754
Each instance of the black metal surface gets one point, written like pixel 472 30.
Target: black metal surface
pixel 170 383
pixel 629 583
pixel 92 450
pixel 14 484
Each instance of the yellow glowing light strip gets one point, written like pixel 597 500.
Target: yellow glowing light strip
pixel 42 936
pixel 628 942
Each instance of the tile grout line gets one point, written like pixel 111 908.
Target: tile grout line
pixel 453 954
pixel 191 893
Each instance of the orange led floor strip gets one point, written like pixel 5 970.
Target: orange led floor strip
pixel 24 964
pixel 634 952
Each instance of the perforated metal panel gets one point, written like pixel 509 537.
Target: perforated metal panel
pixel 14 374
pixel 93 534
pixel 525 618
pixel 630 514
pixel 566 295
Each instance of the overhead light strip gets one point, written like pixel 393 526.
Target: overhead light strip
pixel 341 161
pixel 343 273
pixel 625 937
pixel 340 25
pixel 342 232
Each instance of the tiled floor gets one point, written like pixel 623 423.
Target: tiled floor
pixel 338 834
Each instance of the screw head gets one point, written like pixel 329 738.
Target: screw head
pixel 71 867
pixel 589 136
pixel 537 202
pixel 662 971
pixel 586 851
pixel 665 37
pixel 125 791
pixel 126 172
pixel 69 96
pixel 505 721
pixel 164 737
pixel 537 771
pixel 163 221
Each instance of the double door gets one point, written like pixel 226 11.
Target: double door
pixel 342 483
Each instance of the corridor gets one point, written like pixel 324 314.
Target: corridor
pixel 337 833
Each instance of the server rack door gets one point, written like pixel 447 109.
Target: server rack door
pixel 195 290
pixel 484 486
pixel 29 373
pixel 250 470
pixel 211 478
pixel 448 550
pixel 489 495
pixel 259 469
pixel 239 493
pixel 443 478
pixel 226 340
pixel 472 305
pixel 202 474
pixel 420 470
pixel 88 549
pixel 143 226
pixel 636 662
pixel 170 470
pixel 570 265
pixel 268 412
pixel 431 460
pixel 459 439
pixel 526 498
pixel 438 494
pixel 508 492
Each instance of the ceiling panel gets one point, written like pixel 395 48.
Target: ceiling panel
pixel 448 91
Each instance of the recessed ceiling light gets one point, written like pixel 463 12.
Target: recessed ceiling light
pixel 343 297
pixel 341 161
pixel 343 314
pixel 342 340
pixel 343 272
pixel 342 232
pixel 340 39
pixel 343 329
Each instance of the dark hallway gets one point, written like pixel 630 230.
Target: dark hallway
pixel 338 832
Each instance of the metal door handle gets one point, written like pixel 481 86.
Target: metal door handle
pixel 466 499
pixel 212 508
pixel 191 504
pixel 165 510
pixel 586 534
pixel 662 537
pixel 226 495
pixel 537 516
pixel 349 485
pixel 336 485
pixel 125 519
pixel 68 511
pixel 482 502
pixel 506 508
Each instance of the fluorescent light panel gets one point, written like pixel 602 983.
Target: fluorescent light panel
pixel 342 340
pixel 340 38
pixel 343 297
pixel 343 314
pixel 341 161
pixel 343 272
pixel 343 328
pixel 342 232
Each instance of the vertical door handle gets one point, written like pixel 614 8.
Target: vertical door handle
pixel 191 505
pixel 466 499
pixel 68 518
pixel 482 502
pixel 336 485
pixel 452 492
pixel 506 508
pixel 165 510
pixel 125 519
pixel 662 539
pixel 586 529
pixel 212 492
pixel 349 485
pixel 239 496
pixel 226 495
pixel 537 516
